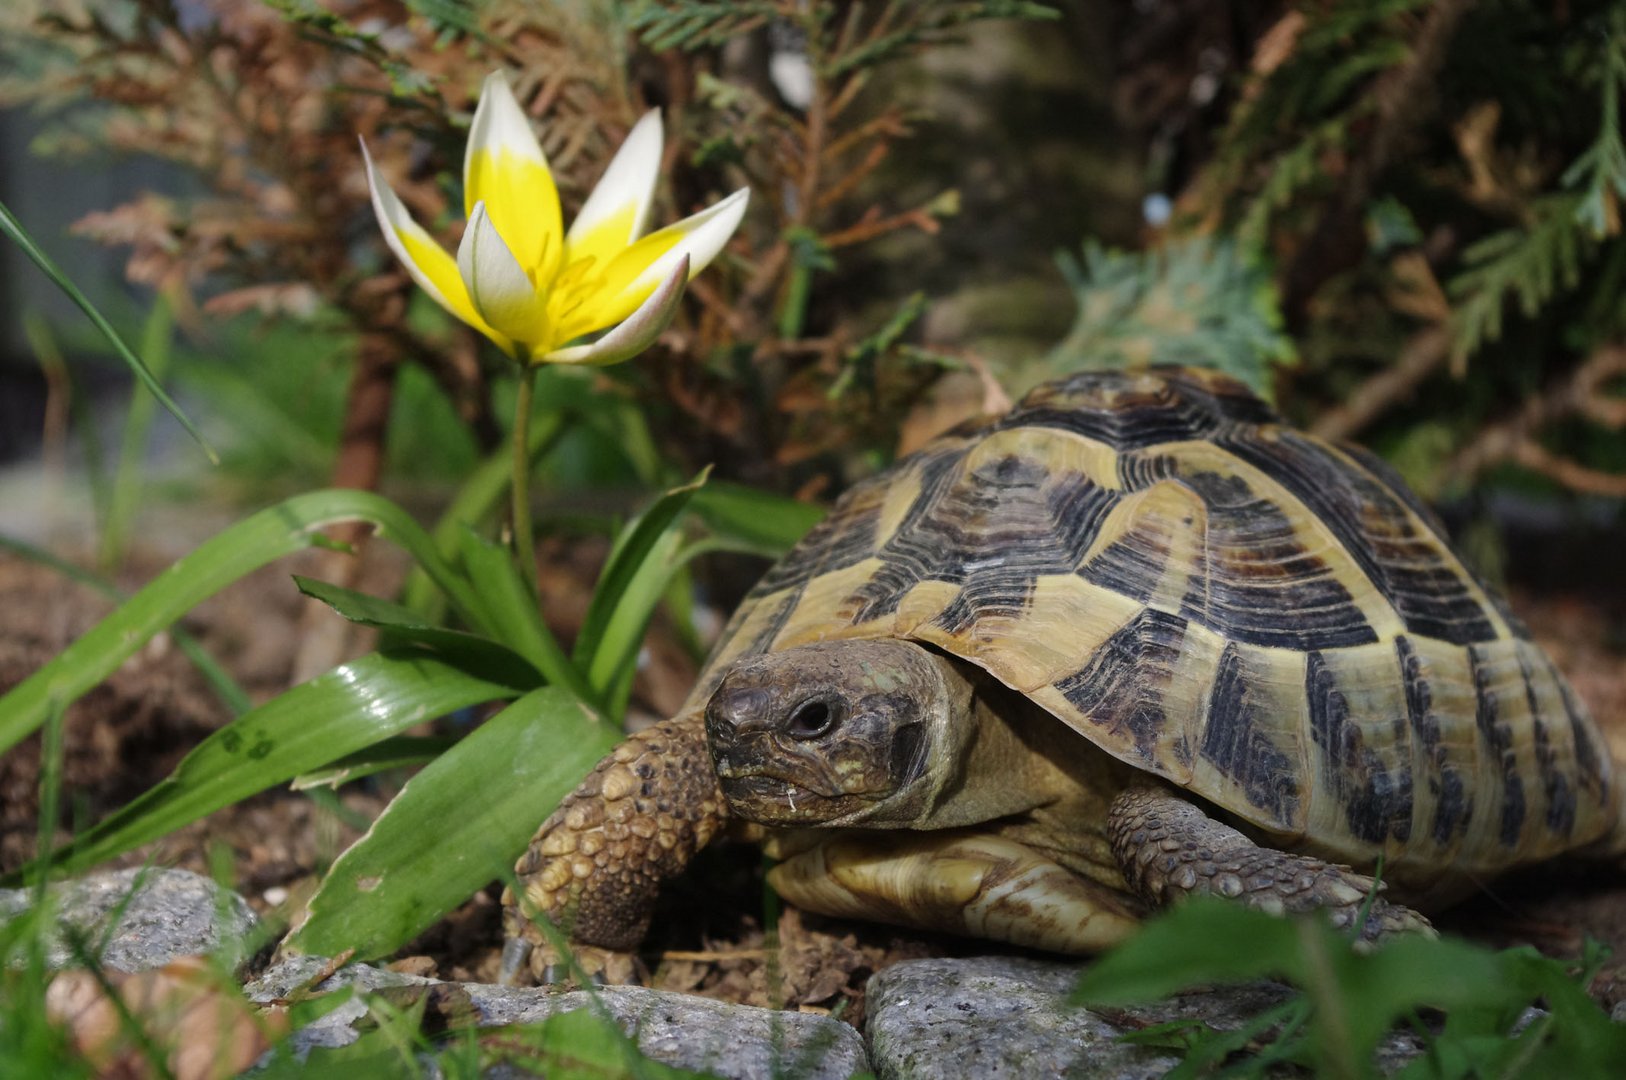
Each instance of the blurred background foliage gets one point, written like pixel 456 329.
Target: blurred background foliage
pixel 1399 218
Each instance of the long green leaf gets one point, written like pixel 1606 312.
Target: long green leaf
pixel 401 625
pixel 750 520
pixel 18 235
pixel 250 544
pixel 627 557
pixel 513 610
pixel 335 714
pixel 481 801
pixel 617 650
pixel 1206 935
pixel 396 752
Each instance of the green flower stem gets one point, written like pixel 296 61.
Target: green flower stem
pixel 524 539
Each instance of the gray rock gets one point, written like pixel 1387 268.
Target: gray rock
pixel 993 1017
pixel 172 913
pixel 1010 1017
pixel 677 1029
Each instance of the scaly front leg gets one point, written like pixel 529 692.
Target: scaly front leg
pixel 1169 848
pixel 596 864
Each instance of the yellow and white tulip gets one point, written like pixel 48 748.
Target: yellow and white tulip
pixel 523 281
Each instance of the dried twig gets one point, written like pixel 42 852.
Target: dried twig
pixel 1419 358
pixel 1572 474
pixel 1580 393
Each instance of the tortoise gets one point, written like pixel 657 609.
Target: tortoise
pixel 1135 640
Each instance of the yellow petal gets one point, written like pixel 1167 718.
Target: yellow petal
pixel 633 275
pixel 502 294
pixel 617 212
pixel 426 261
pixel 637 332
pixel 504 168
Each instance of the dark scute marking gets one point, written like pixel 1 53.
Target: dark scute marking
pixel 844 538
pixel 1123 428
pixel 1396 485
pixel 1124 685
pixel 714 672
pixel 1498 736
pixel 1133 564
pixel 1232 744
pixel 1220 394
pixel 1411 567
pixel 1193 403
pixel 1384 473
pixel 774 623
pixel 1590 758
pixel 1376 799
pixel 909 554
pixel 1138 471
pixel 992 532
pixel 1260 586
pixel 1453 809
pixel 1555 785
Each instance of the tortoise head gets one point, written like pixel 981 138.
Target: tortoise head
pixel 838 733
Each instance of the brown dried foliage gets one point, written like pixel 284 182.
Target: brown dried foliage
pixel 191 1016
pixel 265 109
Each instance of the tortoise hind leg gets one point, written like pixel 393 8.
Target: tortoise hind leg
pixel 957 882
pixel 1168 848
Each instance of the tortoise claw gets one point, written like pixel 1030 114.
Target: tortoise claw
pixel 516 955
pixel 601 967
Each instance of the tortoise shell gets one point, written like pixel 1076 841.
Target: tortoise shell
pixel 1253 614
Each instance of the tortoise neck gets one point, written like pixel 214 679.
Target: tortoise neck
pixel 989 754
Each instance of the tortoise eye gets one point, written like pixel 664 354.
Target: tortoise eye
pixel 811 719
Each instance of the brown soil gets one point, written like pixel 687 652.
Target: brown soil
pixel 128 733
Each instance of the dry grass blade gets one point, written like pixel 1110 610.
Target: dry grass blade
pixel 191 1012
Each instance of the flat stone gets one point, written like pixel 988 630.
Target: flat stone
pixel 173 913
pixel 1010 1017
pixel 676 1029
pixel 993 1017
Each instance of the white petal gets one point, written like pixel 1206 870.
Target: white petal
pixel 393 221
pixel 629 182
pixel 499 124
pixel 704 235
pixel 501 292
pixel 635 333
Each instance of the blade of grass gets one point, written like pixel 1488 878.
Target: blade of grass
pixel 335 714
pixel 59 376
pixel 50 804
pixel 233 696
pixel 127 471
pixel 278 530
pixel 13 229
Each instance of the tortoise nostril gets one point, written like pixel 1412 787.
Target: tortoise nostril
pixel 810 719
pixel 739 709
